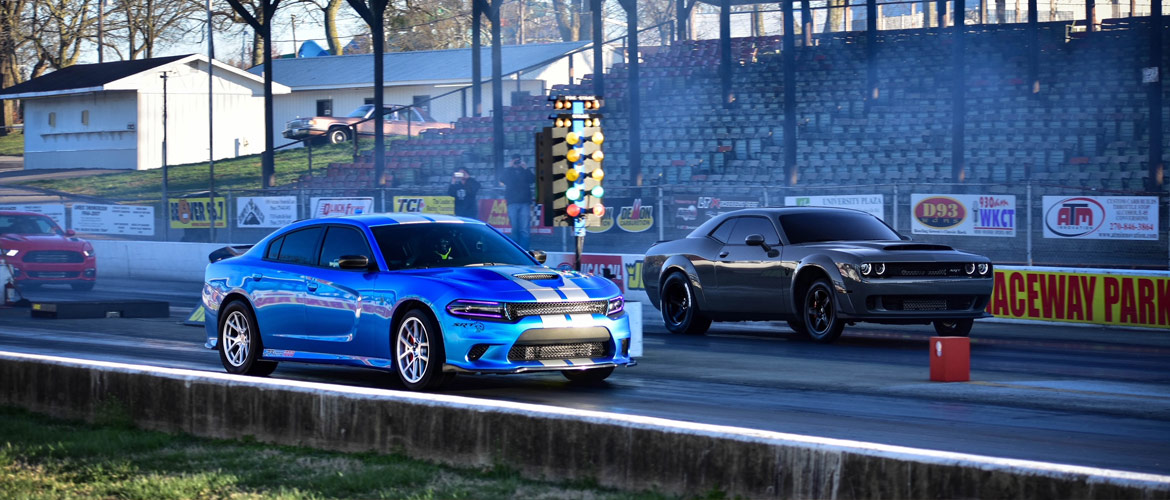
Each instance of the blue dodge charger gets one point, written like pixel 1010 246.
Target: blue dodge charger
pixel 424 296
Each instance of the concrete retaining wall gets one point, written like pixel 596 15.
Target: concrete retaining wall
pixel 621 451
pixel 169 261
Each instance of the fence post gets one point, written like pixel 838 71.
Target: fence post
pixel 1029 219
pixel 895 207
pixel 661 216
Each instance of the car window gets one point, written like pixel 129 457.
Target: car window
pixel 342 241
pixel 300 247
pixel 360 112
pixel 723 232
pixel 274 249
pixel 754 225
pixel 419 246
pixel 27 224
pixel 833 225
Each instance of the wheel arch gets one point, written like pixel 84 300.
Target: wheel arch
pixel 680 264
pixel 807 272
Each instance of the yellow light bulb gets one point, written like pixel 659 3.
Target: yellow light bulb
pixel 598 137
pixel 573 156
pixel 573 138
pixel 597 122
pixel 572 175
pixel 598 156
pixel 598 174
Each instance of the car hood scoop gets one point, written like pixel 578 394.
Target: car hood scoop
pixel 928 247
pixel 536 276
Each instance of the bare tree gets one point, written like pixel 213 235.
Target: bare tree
pixel 12 38
pixel 142 25
pixel 60 27
pixel 427 25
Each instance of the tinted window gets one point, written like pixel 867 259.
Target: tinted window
pixel 27 224
pixel 754 225
pixel 723 232
pixel 360 112
pixel 835 226
pixel 417 246
pixel 274 249
pixel 342 241
pixel 300 247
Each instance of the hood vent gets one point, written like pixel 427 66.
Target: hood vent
pixel 918 247
pixel 537 276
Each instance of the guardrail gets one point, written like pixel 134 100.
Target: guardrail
pixel 619 451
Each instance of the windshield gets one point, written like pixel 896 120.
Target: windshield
pixel 832 225
pixel 27 224
pixel 421 246
pixel 360 112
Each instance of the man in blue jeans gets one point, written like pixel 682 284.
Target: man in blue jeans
pixel 519 183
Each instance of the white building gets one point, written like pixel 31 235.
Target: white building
pixel 111 115
pixel 337 85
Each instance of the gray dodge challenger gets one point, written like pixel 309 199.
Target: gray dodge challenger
pixel 817 268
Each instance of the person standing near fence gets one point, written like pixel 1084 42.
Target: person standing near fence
pixel 519 183
pixel 465 190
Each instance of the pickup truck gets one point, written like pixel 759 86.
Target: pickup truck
pixel 338 129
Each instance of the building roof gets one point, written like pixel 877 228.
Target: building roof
pixel 86 76
pixel 82 78
pixel 409 68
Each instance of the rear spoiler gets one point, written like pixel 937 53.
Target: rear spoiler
pixel 228 252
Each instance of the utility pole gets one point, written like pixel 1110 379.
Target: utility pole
pixel 165 194
pixel 294 33
pixel 101 31
pixel 210 122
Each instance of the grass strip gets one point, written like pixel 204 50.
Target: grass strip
pixel 42 457
pixel 12 144
pixel 236 173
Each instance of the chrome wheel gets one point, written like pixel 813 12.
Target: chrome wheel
pixel 414 350
pixel 236 338
pixel 821 322
pixel 338 136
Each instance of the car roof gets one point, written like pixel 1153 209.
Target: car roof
pixel 769 212
pixel 390 219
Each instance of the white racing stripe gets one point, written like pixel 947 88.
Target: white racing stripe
pixel 555 321
pixel 572 291
pixel 540 293
pixel 554 362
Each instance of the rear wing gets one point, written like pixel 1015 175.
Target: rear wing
pixel 228 252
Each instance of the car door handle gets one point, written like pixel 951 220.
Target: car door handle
pixel 312 286
pixel 723 254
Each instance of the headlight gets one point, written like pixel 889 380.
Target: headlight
pixel 616 306
pixel 88 253
pixel 866 268
pixel 880 268
pixel 983 268
pixel 12 252
pixel 478 309
pixel 969 268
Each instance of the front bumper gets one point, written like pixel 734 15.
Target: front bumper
pixel 537 343
pixel 301 133
pixel 49 273
pixel 915 300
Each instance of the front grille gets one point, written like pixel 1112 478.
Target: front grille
pixel 558 351
pixel 924 269
pixel 53 274
pixel 54 257
pixel 926 302
pixel 522 309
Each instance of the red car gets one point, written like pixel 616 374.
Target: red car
pixel 41 253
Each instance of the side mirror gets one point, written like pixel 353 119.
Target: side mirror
pixel 353 262
pixel 905 237
pixel 70 232
pixel 539 255
pixel 754 240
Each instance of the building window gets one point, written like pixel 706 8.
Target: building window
pixel 52 119
pixel 85 117
pixel 423 102
pixel 369 100
pixel 324 107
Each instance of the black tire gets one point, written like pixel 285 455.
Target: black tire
pixel 338 136
pixel 240 353
pixel 680 313
pixel 954 328
pixel 418 352
pixel 819 313
pixel 587 377
pixel 84 286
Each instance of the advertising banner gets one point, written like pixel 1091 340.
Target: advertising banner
pixel 113 219
pixel 195 213
pixel 872 203
pixel 494 211
pixel 1082 296
pixel 963 214
pixel 634 215
pixel 55 211
pixel 337 207
pixel 265 211
pixel 425 204
pixel 1101 217
pixel 609 265
pixel 690 211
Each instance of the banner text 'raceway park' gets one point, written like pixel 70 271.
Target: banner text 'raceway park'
pixel 1082 296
